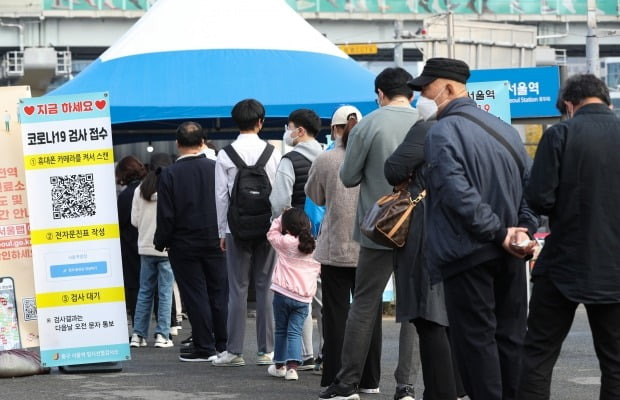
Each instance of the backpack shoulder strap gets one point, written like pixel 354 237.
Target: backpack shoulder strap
pixel 234 156
pixel 262 161
pixel 293 155
pixel 497 137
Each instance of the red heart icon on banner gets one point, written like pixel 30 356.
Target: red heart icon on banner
pixel 29 110
pixel 100 104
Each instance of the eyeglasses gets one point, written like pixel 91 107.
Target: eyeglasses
pixel 286 128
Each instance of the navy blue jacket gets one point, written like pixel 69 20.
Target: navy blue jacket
pixel 475 189
pixel 186 216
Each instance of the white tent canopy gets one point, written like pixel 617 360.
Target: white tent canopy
pixel 194 59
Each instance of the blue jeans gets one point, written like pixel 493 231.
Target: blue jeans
pixel 155 271
pixel 289 315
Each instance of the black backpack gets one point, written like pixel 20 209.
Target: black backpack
pixel 249 211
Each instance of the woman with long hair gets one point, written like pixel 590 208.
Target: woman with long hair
pixel 129 172
pixel 155 269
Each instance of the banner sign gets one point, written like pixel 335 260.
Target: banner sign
pixel 470 7
pixel 94 5
pixel 533 91
pixel 67 142
pixel 492 97
pixel 18 311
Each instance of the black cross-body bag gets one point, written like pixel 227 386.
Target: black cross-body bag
pixel 497 136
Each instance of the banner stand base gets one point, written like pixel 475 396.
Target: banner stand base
pixel 91 368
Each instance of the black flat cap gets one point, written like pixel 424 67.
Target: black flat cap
pixel 439 67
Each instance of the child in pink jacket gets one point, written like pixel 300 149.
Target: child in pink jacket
pixel 294 284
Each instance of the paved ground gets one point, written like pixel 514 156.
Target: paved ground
pixel 156 374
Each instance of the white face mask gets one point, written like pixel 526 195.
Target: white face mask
pixel 288 136
pixel 439 94
pixel 427 108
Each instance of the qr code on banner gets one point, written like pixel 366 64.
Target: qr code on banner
pixel 30 309
pixel 73 196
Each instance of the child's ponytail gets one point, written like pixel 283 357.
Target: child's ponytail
pixel 306 242
pixel 296 222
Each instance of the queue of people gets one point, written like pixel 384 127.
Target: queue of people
pixel 460 278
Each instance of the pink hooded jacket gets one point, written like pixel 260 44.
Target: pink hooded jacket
pixel 295 273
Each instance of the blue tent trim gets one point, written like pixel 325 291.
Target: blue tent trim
pixel 205 84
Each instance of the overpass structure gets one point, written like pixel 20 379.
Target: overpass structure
pixel 45 42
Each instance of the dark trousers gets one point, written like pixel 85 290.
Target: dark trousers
pixel 487 313
pixel 338 287
pixel 436 357
pixel 460 389
pixel 203 282
pixel 374 267
pixel 551 316
pixel 131 298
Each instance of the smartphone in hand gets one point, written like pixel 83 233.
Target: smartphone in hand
pixel 521 245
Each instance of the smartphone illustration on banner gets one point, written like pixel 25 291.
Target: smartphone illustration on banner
pixel 9 327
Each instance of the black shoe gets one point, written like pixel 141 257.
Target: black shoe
pixel 306 365
pixel 197 357
pixel 187 349
pixel 404 393
pixel 188 341
pixel 339 391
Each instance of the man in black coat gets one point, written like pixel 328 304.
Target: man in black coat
pixel 187 227
pixel 574 181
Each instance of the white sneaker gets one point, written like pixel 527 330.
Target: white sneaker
pixel 137 341
pixel 174 331
pixel 370 390
pixel 161 341
pixel 227 359
pixel 277 372
pixel 264 358
pixel 291 375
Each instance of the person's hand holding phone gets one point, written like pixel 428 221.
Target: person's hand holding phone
pixel 518 242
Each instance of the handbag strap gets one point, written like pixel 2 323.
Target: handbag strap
pixel 497 136
pixel 406 214
pixel 420 197
pixel 404 185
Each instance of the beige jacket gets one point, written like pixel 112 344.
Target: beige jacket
pixel 335 244
pixel 144 217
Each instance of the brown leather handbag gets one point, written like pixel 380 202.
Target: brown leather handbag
pixel 387 222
